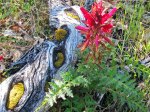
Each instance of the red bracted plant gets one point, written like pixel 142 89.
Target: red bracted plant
pixel 97 30
pixel 1 58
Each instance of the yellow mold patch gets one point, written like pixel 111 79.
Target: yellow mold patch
pixel 60 59
pixel 60 34
pixel 15 95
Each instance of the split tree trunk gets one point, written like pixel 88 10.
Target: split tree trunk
pixel 23 91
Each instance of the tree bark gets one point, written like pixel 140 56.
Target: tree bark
pixel 23 91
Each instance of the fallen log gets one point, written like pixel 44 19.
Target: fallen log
pixel 23 91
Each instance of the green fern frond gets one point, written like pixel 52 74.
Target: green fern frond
pixel 62 88
pixel 121 86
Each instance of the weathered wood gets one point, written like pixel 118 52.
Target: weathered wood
pixel 88 4
pixel 23 91
pixel 146 61
pixel 33 76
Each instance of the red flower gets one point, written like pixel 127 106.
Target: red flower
pixel 98 26
pixel 1 58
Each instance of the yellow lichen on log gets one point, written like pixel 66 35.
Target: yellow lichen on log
pixel 60 59
pixel 60 34
pixel 72 15
pixel 15 95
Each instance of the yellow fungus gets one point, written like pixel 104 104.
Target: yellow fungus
pixel 15 95
pixel 60 59
pixel 60 34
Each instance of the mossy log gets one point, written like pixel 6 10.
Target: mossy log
pixel 23 90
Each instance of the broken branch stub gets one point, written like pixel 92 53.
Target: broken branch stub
pixel 23 91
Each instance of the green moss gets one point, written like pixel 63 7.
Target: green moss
pixel 60 60
pixel 15 95
pixel 60 34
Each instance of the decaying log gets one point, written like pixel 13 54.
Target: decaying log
pixel 23 91
pixel 88 4
pixel 33 76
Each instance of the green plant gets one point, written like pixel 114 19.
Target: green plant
pixel 79 103
pixel 61 89
pixel 107 79
pixel 131 38
pixel 121 86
